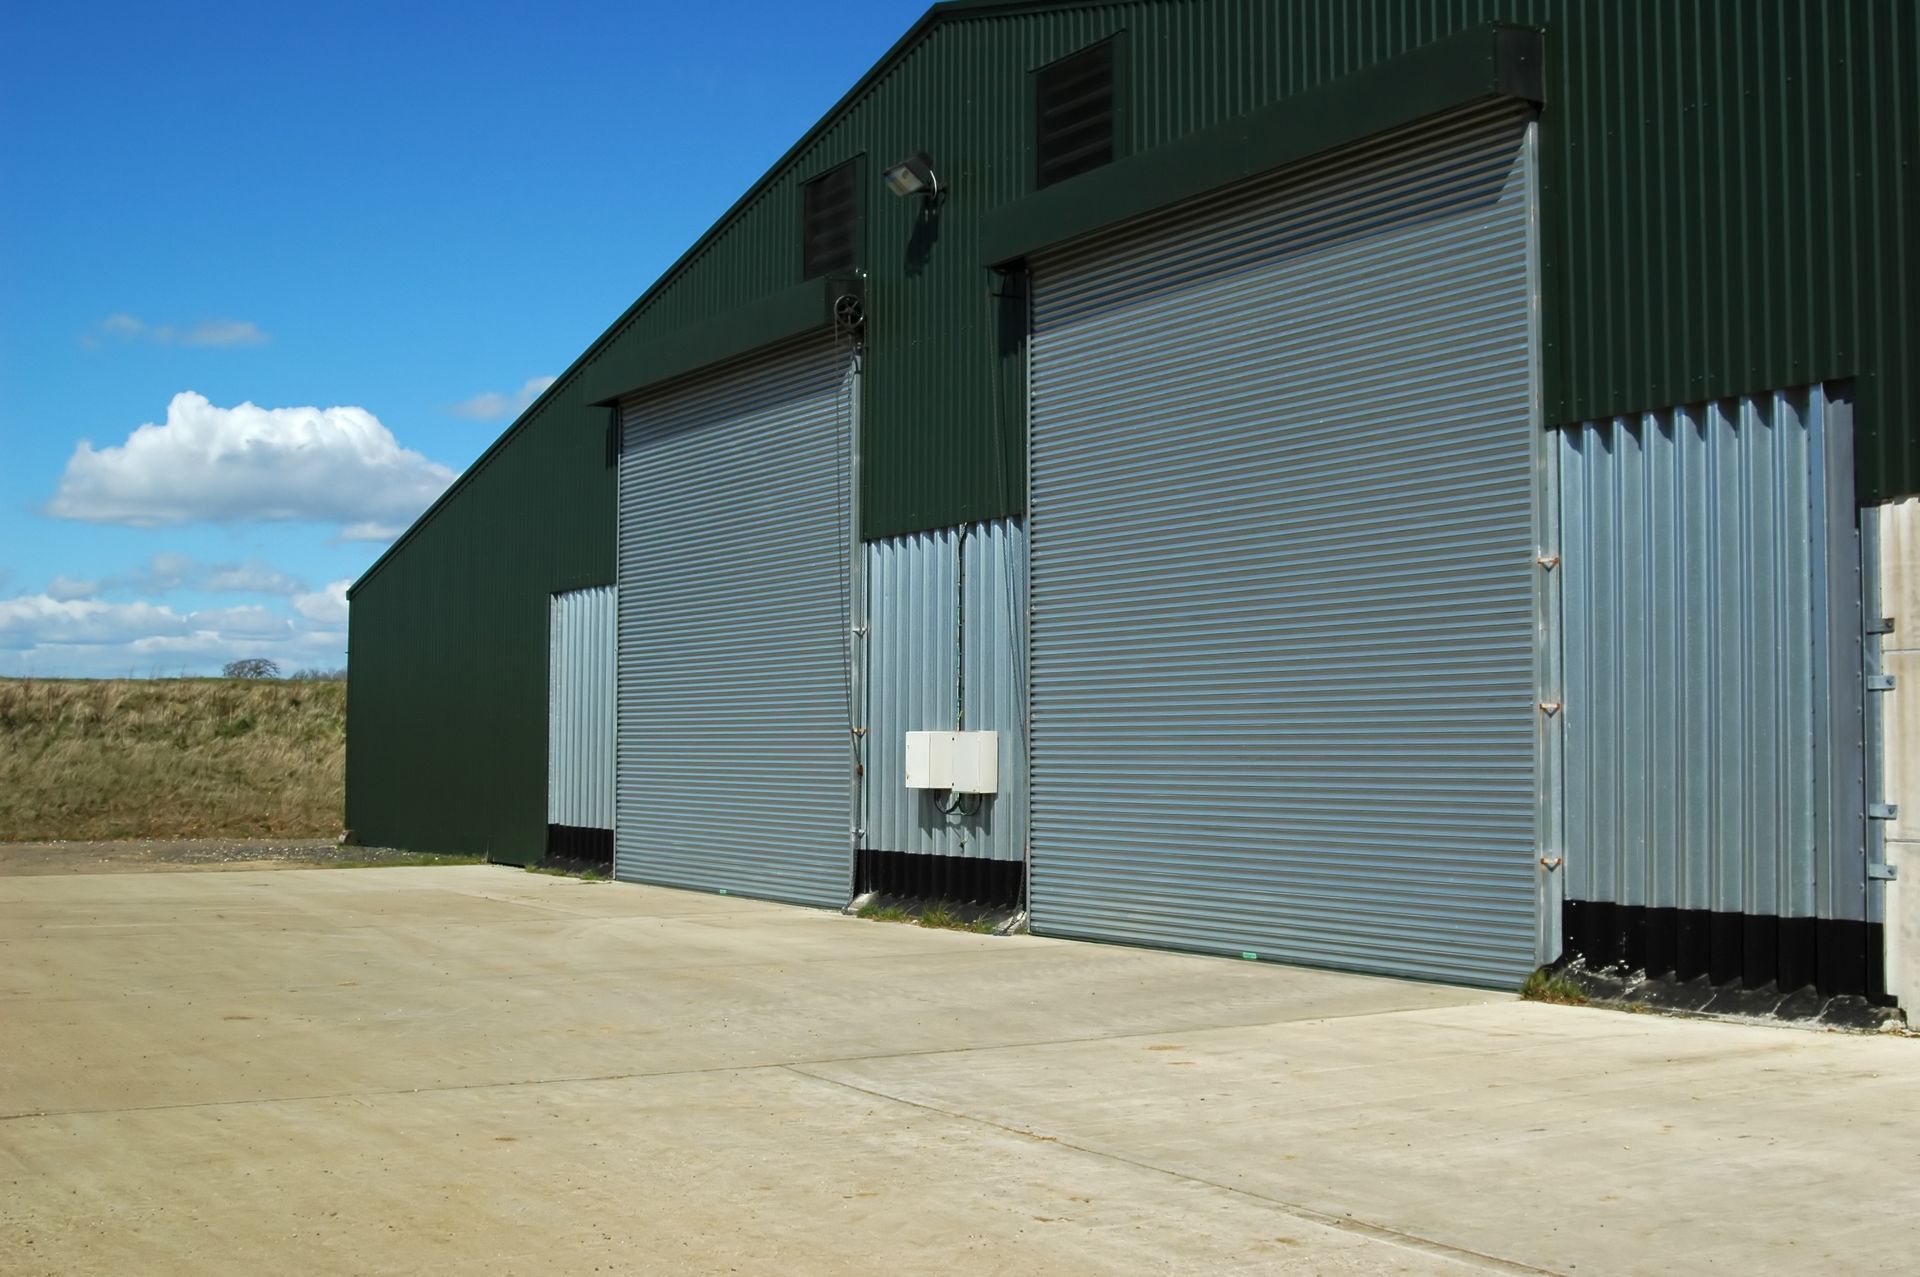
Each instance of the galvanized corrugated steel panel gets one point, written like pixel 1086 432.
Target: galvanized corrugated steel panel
pixel 1283 674
pixel 580 683
pixel 919 586
pixel 1713 659
pixel 734 763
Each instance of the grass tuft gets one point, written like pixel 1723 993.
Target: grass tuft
pixel 1552 986
pixel 561 871
pixel 104 759
pixel 937 914
pixel 946 918
pixel 234 727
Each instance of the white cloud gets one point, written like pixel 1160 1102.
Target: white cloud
pixel 251 577
pixel 223 332
pixel 205 332
pixel 252 621
pixel 247 463
pixel 327 606
pixel 162 574
pixel 65 588
pixel 165 573
pixel 42 635
pixel 34 619
pixel 371 531
pixel 491 405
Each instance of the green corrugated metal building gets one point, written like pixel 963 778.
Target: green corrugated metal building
pixel 1719 205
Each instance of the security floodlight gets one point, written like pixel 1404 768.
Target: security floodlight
pixel 912 175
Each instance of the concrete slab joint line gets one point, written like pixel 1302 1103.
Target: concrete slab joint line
pixel 476 1070
pixel 1346 1223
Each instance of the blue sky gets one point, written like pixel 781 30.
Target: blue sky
pixel 380 226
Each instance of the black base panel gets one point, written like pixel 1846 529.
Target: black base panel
pixel 1617 988
pixel 579 850
pixel 1832 956
pixel 961 879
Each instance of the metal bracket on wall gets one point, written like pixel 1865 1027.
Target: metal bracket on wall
pixel 1883 811
pixel 1880 682
pixel 1884 625
pixel 1549 707
pixel 1883 873
pixel 1548 561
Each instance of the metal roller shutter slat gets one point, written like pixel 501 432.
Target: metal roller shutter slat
pixel 733 770
pixel 1282 548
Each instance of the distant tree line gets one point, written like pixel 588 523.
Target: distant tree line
pixel 258 667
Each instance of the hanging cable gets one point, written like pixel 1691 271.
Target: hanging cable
pixel 954 802
pixel 846 342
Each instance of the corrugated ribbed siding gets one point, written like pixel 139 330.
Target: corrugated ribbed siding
pixel 580 709
pixel 734 764
pixel 917 586
pixel 1712 659
pixel 1282 669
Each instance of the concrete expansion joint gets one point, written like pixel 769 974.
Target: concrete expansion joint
pixel 798 1066
pixel 1344 1223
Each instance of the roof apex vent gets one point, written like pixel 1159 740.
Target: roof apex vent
pixel 1073 114
pixel 830 222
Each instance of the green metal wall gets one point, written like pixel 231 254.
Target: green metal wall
pixel 1727 195
pixel 1726 191
pixel 447 699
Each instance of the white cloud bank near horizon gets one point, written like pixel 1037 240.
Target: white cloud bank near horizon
pixel 491 405
pixel 41 635
pixel 208 464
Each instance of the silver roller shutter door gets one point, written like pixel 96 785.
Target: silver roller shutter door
pixel 1283 671
pixel 734 769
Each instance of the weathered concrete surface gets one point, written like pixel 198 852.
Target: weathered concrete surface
pixel 476 1070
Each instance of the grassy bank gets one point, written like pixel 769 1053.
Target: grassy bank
pixel 170 758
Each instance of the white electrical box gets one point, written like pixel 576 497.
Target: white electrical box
pixel 964 762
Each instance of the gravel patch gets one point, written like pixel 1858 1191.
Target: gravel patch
pixel 167 855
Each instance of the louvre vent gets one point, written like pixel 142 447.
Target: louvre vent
pixel 1073 115
pixel 830 211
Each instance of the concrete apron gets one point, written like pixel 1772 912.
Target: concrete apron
pixel 475 1070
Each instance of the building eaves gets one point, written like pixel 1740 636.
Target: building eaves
pixel 944 11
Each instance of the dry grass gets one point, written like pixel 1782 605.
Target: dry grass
pixel 1552 986
pixel 171 758
pixel 937 913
